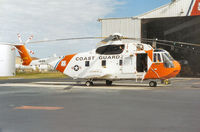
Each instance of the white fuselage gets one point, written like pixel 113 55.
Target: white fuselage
pixel 113 66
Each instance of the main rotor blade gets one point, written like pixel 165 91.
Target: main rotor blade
pixel 182 43
pixel 64 39
pixel 11 44
pixel 163 41
pixel 105 40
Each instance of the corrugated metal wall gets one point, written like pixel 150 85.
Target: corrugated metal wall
pixel 174 9
pixel 127 27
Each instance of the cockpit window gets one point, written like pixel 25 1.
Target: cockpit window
pixel 157 57
pixel 110 49
pixel 163 56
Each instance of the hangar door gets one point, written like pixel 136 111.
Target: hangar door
pixel 179 29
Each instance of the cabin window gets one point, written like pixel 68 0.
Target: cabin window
pixel 120 62
pixel 87 63
pixel 103 63
pixel 110 49
pixel 154 57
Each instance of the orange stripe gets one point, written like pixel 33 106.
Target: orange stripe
pixel 38 108
pixel 195 10
pixel 64 62
pixel 150 54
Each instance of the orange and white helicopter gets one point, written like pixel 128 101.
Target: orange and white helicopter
pixel 113 60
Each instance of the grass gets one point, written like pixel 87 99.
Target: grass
pixel 36 75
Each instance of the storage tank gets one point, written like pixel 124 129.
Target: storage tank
pixel 7 60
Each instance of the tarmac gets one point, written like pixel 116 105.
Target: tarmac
pixel 65 105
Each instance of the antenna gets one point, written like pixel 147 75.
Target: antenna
pixel 154 43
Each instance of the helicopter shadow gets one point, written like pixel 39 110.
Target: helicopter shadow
pixel 103 85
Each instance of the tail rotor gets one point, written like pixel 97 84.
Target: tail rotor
pixel 23 51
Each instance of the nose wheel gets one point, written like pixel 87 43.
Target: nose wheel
pixel 89 83
pixel 153 84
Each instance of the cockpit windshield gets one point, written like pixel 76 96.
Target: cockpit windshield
pixel 163 56
pixel 167 60
pixel 169 56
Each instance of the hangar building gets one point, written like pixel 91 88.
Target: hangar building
pixel 177 21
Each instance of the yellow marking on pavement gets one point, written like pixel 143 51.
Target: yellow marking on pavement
pixel 38 108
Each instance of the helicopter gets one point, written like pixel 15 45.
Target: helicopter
pixel 113 60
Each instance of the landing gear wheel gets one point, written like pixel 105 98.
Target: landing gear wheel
pixel 153 84
pixel 89 83
pixel 108 83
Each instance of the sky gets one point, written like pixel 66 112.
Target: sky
pixel 52 19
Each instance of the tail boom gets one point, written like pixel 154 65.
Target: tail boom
pixel 24 54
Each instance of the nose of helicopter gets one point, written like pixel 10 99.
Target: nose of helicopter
pixel 177 68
